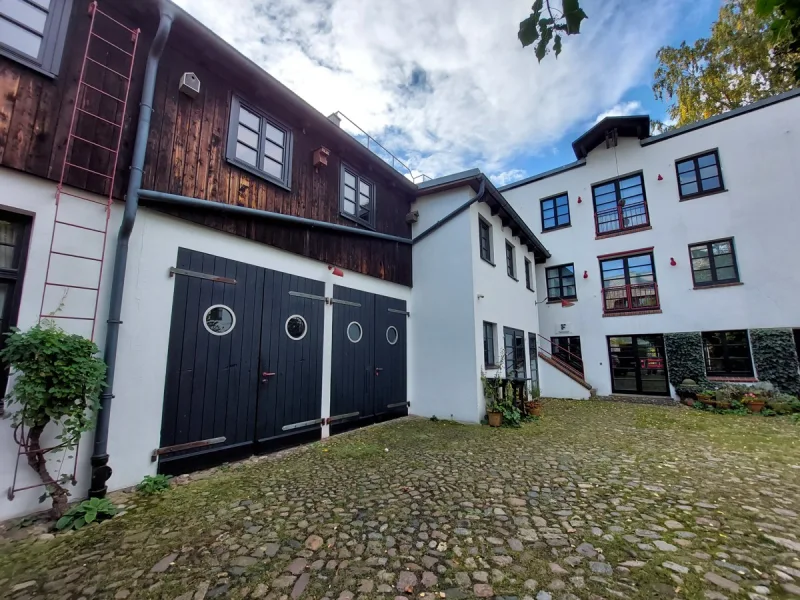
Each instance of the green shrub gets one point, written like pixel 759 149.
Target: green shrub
pixel 88 511
pixel 775 358
pixel 153 484
pixel 685 358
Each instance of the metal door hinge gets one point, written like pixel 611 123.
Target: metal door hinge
pixel 175 271
pixel 303 424
pixel 399 312
pixel 308 296
pixel 330 420
pixel 188 446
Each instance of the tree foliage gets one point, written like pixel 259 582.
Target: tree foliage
pixel 784 25
pixel 547 24
pixel 741 62
pixel 59 378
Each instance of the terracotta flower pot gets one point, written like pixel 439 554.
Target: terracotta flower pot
pixel 756 406
pixel 495 419
pixel 534 408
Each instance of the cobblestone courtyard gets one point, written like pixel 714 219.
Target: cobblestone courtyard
pixel 597 500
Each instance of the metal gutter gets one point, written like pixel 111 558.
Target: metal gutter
pixel 477 198
pixel 189 202
pixel 99 461
pixel 736 112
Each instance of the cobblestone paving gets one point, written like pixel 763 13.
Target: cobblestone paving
pixel 597 500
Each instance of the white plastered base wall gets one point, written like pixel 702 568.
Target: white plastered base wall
pixel 144 335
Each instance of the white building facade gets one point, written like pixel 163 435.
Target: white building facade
pixel 689 231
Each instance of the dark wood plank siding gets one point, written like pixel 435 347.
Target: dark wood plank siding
pixel 186 146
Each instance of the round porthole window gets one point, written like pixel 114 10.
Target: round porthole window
pixel 219 320
pixel 354 332
pixel 296 327
pixel 392 335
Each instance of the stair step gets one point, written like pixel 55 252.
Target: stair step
pixel 569 372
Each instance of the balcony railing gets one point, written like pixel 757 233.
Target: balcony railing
pixel 631 297
pixel 621 218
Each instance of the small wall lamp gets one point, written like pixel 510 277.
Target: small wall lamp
pixel 336 271
pixel 660 178
pixel 579 200
pixel 672 262
pixel 586 274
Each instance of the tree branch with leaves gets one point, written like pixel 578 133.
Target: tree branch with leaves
pixel 546 25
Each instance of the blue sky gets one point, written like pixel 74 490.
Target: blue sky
pixel 445 84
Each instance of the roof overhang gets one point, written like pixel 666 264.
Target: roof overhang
pixel 498 205
pixel 634 126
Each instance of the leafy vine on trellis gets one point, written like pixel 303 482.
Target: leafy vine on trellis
pixel 775 358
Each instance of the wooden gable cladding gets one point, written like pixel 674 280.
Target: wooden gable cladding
pixel 36 110
pixel 186 155
pixel 187 143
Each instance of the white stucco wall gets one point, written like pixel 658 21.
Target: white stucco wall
pixel 555 384
pixel 498 298
pixel 443 359
pixel 144 335
pixel 758 155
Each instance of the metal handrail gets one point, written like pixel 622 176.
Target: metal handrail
pixel 628 289
pixel 565 364
pixel 394 160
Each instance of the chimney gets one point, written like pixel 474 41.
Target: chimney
pixel 334 118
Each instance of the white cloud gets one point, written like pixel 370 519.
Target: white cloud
pixel 506 177
pixel 445 84
pixel 622 109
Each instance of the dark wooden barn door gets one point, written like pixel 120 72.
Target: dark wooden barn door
pixel 290 392
pixel 368 379
pixel 212 362
pixel 390 356
pixel 244 360
pixel 352 361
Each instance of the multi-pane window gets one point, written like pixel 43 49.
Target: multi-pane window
pixel 358 197
pixel 620 205
pixel 485 240
pixel 511 263
pixel 515 353
pixel 699 175
pixel 528 275
pixel 534 364
pixel 489 336
pixel 629 283
pixel 555 212
pixel 33 31
pixel 561 282
pixel 727 354
pixel 568 349
pixel 259 144
pixel 714 262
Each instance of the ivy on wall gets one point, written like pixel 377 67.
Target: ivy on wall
pixel 775 357
pixel 685 358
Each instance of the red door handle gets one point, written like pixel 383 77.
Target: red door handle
pixel 265 375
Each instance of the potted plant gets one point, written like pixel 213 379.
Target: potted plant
pixel 707 397
pixel 754 402
pixel 491 393
pixel 533 402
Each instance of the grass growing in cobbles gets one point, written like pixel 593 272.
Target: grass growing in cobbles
pixel 595 500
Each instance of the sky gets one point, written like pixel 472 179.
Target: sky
pixel 445 84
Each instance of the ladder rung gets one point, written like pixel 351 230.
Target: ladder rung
pixel 106 67
pixel 69 164
pixel 100 12
pixel 102 39
pixel 120 100
pixel 100 202
pixel 103 231
pixel 72 135
pixel 75 287
pixel 66 317
pixel 75 255
pixel 99 117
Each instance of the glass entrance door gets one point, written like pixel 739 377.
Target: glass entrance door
pixel 638 364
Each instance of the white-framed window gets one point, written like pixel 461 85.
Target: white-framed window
pixel 296 327
pixel 218 319
pixel 33 32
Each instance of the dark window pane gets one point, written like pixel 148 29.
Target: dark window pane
pixel 702 276
pixel 707 172
pixel 726 274
pixel 708 159
pixel 686 167
pixel 711 184
pixel 699 251
pixel 701 263
pixel 689 189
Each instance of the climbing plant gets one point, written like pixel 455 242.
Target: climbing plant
pixel 59 378
pixel 685 358
pixel 775 357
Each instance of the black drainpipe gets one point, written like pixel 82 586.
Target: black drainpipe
pixel 100 469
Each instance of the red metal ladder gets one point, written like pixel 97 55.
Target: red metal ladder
pixel 71 267
pixel 70 215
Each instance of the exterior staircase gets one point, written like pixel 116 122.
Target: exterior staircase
pixel 565 362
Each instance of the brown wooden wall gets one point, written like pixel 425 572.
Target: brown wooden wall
pixel 186 145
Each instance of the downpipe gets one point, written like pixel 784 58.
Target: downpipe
pixel 101 471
